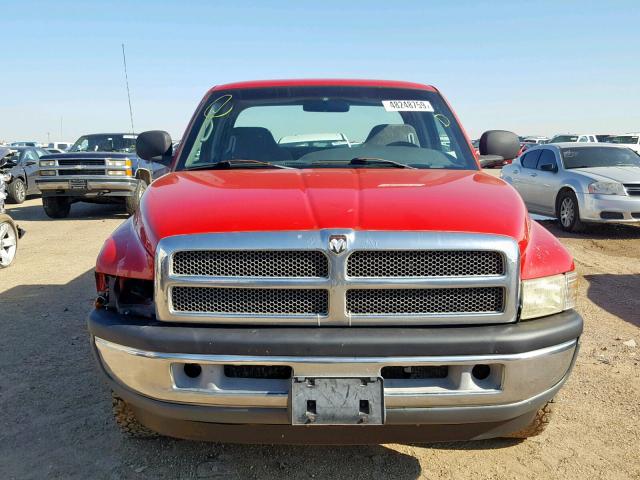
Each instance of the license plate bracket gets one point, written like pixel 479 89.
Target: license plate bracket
pixel 77 184
pixel 337 401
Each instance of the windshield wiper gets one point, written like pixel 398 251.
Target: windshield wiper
pixel 235 162
pixel 374 160
pixel 366 161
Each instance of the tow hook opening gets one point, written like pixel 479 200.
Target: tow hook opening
pixel 192 370
pixel 481 371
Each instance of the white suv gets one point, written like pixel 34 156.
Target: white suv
pixel 536 140
pixel 629 140
pixel 571 137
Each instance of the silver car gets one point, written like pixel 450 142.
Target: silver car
pixel 579 183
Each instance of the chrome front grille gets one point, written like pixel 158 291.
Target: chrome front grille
pixel 439 263
pixel 632 188
pixel 228 263
pixel 425 301
pixel 381 278
pixel 287 301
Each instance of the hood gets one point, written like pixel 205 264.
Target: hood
pixel 617 174
pixel 213 201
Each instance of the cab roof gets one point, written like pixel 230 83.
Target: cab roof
pixel 323 83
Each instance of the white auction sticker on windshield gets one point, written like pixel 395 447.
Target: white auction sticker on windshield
pixel 407 106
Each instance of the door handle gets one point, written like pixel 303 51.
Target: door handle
pixel 533 174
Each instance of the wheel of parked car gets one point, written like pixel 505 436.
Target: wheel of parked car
pixel 568 212
pixel 16 191
pixel 133 202
pixel 8 241
pixel 56 207
pixel 126 419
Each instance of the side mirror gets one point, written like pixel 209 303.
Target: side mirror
pixel 487 161
pixel 500 142
pixel 549 167
pixel 155 146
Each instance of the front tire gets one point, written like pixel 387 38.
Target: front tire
pixel 126 420
pixel 132 203
pixel 16 191
pixel 8 242
pixel 56 207
pixel 568 212
pixel 538 424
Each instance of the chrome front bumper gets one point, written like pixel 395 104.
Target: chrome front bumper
pixel 518 383
pixel 591 205
pixel 93 184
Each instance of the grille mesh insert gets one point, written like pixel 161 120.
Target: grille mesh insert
pixel 431 263
pixel 85 171
pixel 80 161
pixel 425 301
pixel 288 301
pixel 237 263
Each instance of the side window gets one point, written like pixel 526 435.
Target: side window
pixel 29 155
pixel 583 139
pixel 530 159
pixel 546 157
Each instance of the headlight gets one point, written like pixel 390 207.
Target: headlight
pixel 125 162
pixel 607 188
pixel 46 173
pixel 47 163
pixel 120 173
pixel 548 295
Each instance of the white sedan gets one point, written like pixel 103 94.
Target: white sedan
pixel 579 183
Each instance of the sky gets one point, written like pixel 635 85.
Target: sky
pixel 536 68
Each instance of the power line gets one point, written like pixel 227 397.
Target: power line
pixel 126 78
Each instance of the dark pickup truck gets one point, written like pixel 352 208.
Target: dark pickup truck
pixel 98 168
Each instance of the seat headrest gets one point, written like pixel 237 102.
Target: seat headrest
pixel 386 134
pixel 254 143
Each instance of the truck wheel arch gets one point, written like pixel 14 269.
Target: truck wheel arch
pixel 145 175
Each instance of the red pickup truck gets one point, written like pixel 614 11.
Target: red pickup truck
pixel 327 263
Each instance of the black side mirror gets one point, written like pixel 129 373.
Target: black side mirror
pixel 549 167
pixel 500 142
pixel 156 146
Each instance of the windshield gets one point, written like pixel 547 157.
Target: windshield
pixel 119 142
pixel 589 157
pixel 316 127
pixel 564 138
pixel 624 139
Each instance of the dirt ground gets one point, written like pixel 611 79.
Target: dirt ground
pixel 55 419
